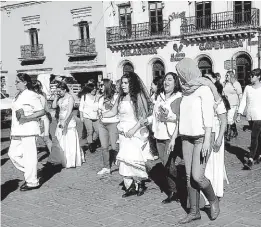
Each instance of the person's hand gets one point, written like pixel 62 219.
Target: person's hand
pixel 130 133
pixel 171 146
pixel 217 145
pixel 238 118
pixel 163 110
pixel 19 113
pixel 205 149
pixel 162 117
pixel 144 122
pixel 22 120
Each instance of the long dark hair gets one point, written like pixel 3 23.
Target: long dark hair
pixel 109 89
pixel 26 78
pixel 135 88
pixel 177 86
pixel 38 88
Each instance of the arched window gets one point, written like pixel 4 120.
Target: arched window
pixel 158 69
pixel 128 67
pixel 243 67
pixel 205 65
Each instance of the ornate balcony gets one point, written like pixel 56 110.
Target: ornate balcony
pixel 82 48
pixel 219 22
pixel 138 32
pixel 32 54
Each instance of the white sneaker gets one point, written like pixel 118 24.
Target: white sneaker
pixel 104 171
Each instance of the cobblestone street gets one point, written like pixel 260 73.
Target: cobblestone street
pixel 80 198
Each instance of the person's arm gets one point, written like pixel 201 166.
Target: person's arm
pixel 54 105
pixel 69 110
pixel 33 117
pixel 113 112
pixel 242 105
pixel 207 105
pixel 239 91
pixel 133 130
pixel 223 125
pixel 173 139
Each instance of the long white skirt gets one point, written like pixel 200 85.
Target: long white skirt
pixel 66 149
pixel 216 170
pixel 133 154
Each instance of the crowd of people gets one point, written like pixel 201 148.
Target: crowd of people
pixel 186 114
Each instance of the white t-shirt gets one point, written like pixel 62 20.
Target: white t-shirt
pixel 196 112
pixel 89 107
pixel 30 102
pixel 251 100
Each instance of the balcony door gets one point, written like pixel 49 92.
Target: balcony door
pixel 203 15
pixel 158 69
pixel 128 67
pixel 125 20
pixel 205 65
pixel 33 33
pixel 156 18
pixel 243 68
pixel 242 12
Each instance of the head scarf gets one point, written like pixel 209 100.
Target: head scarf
pixel 189 71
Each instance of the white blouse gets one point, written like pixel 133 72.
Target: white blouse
pixel 30 102
pixel 163 130
pixel 196 112
pixel 251 100
pixel 88 107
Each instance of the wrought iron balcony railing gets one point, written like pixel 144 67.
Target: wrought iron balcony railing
pixel 82 47
pixel 220 21
pixel 138 31
pixel 32 51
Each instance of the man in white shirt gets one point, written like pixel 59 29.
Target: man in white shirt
pixel 251 101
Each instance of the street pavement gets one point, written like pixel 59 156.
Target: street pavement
pixel 78 197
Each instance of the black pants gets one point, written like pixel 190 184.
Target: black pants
pixel 255 148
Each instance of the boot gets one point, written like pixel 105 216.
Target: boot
pixel 141 188
pixel 194 213
pixel 234 130
pixel 228 135
pixel 130 191
pixel 213 201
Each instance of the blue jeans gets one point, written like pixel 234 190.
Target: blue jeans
pixel 108 134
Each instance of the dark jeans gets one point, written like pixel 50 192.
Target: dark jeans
pixel 255 148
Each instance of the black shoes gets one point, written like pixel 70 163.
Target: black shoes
pixel 24 187
pixel 248 165
pixel 171 197
pixel 141 188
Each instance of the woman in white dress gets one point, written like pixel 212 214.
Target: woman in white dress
pixel 46 119
pixel 69 153
pixel 216 162
pixel 132 105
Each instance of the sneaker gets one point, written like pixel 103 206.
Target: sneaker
pixel 104 171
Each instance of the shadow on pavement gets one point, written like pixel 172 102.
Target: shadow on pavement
pixel 9 187
pixel 3 161
pixel 238 151
pixel 4 151
pixel 48 171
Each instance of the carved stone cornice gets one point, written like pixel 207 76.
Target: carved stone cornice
pixel 11 6
pixel 82 14
pixel 31 22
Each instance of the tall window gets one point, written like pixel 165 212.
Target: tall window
pixel 128 67
pixel 242 11
pixel 125 19
pixel 156 17
pixel 33 33
pixel 203 14
pixel 84 30
pixel 158 69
